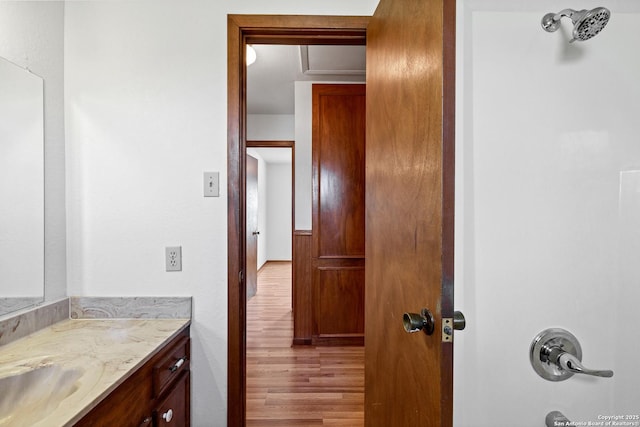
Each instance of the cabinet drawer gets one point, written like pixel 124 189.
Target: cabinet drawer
pixel 171 365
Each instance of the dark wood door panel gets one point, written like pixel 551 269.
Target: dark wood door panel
pixel 339 302
pixel 339 155
pixel 338 213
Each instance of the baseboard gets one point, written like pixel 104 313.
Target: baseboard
pixel 302 341
pixel 338 340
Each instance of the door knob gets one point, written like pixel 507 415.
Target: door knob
pixel 414 322
pixel 255 233
pixel 556 355
pixel 459 322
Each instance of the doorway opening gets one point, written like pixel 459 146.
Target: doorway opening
pixel 270 206
pixel 244 30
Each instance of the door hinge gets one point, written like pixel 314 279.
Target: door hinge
pixel 241 276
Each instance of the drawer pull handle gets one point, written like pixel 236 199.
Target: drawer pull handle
pixel 168 416
pixel 177 365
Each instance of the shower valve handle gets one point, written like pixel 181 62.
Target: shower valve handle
pixel 556 355
pixel 572 364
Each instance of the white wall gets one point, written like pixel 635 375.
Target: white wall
pixel 31 36
pixel 547 210
pixel 279 184
pixel 303 171
pixel 270 127
pixel 145 88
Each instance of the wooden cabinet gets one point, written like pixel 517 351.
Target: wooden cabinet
pixel 157 394
pixel 174 410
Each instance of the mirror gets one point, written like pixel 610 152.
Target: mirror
pixel 21 188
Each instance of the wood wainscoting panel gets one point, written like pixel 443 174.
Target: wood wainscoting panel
pixel 339 305
pixel 301 287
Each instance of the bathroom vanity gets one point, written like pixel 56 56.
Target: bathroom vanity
pixel 98 372
pixel 157 394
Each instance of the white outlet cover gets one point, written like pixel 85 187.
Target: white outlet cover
pixel 173 258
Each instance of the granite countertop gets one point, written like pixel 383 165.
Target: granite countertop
pixel 94 356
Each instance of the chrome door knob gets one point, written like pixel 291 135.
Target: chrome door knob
pixel 414 322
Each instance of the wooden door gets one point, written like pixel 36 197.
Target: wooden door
pixel 252 226
pixel 409 211
pixel 338 213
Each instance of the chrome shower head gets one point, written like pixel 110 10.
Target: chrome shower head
pixel 586 23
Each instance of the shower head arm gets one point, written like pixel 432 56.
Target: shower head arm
pixel 574 15
pixel 566 12
pixel 551 21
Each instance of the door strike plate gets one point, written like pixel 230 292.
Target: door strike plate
pixel 447 329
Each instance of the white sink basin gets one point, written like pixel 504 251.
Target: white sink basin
pixel 36 387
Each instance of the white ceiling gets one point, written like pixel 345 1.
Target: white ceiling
pixel 270 80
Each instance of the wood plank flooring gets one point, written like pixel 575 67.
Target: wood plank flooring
pixel 296 385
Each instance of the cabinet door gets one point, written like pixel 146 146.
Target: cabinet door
pixel 174 409
pixel 130 405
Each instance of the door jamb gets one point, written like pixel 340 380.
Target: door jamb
pixel 243 30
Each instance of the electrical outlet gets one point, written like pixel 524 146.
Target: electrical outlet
pixel 173 258
pixel 212 184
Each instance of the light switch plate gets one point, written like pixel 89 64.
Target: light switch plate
pixel 211 184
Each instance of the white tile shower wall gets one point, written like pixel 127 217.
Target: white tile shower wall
pixel 547 224
pixel 626 395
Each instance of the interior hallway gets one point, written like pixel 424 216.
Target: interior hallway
pixel 296 385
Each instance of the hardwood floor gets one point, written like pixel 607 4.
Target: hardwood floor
pixel 296 385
